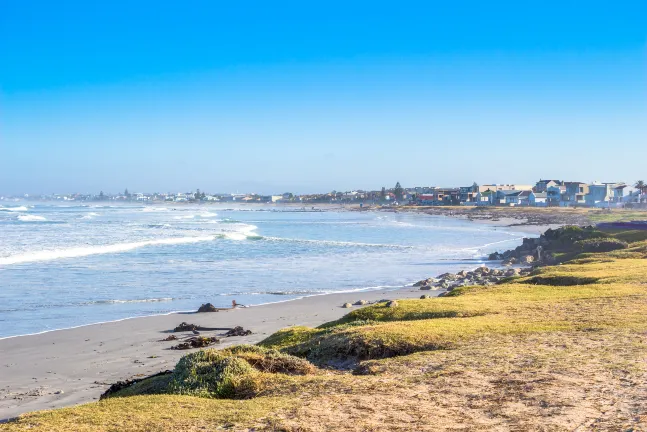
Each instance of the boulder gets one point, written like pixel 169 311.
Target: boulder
pixel 425 296
pixel 392 303
pixel 512 272
pixel 496 272
pixel 527 259
pixel 347 305
pixel 495 256
pixel 462 273
pixel 509 261
pixel 425 288
pixel 360 303
pixel 207 307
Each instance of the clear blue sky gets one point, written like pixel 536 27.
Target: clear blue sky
pixel 316 96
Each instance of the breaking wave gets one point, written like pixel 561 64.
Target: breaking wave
pixel 244 232
pixel 151 300
pixel 14 209
pixel 31 218
pixel 77 252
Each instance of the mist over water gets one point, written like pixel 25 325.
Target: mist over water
pixel 64 265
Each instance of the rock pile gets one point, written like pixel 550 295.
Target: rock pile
pixel 480 276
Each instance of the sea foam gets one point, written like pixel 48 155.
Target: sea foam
pixel 50 255
pixel 31 218
pixel 14 209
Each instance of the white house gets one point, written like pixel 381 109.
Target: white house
pixel 538 199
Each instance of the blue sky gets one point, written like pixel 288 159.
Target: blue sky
pixel 316 96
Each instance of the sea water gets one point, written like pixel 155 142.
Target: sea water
pixel 65 265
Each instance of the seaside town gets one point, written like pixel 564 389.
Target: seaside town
pixel 544 193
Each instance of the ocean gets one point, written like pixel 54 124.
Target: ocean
pixel 66 265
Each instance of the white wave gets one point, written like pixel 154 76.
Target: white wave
pixel 208 215
pixel 339 243
pixel 243 232
pixel 154 209
pixel 184 217
pixel 14 209
pixel 49 255
pixel 151 300
pixel 31 218
pixel 90 215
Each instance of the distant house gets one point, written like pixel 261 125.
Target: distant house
pixel 484 198
pixel 447 196
pixel 499 187
pixel 554 194
pixel 538 199
pixel 603 194
pixel 543 185
pixel 574 194
pixel 467 194
pixel 425 199
pixel 618 193
pixel 511 197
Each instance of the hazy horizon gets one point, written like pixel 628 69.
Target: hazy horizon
pixel 303 98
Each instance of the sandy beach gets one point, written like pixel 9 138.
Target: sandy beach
pixel 72 366
pixel 67 367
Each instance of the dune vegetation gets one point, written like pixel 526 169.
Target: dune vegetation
pixel 562 348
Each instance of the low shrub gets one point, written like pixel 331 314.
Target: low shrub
pixel 238 372
pixel 212 373
pixel 601 245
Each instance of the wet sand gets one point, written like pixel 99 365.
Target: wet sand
pixel 68 367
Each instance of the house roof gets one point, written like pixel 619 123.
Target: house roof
pixel 540 194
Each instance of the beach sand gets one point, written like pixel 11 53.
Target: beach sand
pixel 67 367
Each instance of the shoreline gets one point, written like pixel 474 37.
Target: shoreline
pixel 65 367
pixel 189 312
pixel 38 373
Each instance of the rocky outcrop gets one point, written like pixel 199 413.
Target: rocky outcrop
pixel 347 305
